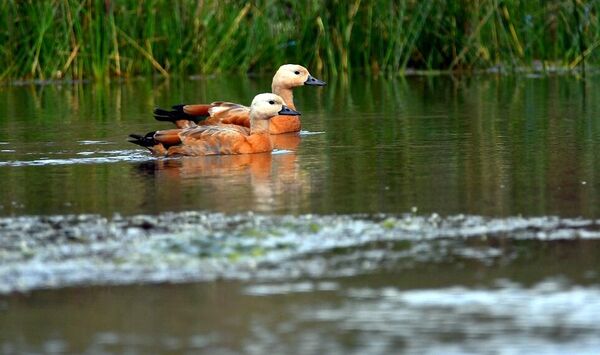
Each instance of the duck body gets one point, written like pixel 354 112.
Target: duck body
pixel 227 113
pixel 222 138
pixel 287 77
pixel 211 140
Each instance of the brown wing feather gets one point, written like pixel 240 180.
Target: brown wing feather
pixel 202 130
pixel 208 140
pixel 197 110
pixel 168 136
pixel 228 113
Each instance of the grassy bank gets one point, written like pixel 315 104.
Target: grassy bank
pixel 45 39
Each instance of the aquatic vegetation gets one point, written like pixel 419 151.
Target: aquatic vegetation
pixel 102 38
pixel 196 246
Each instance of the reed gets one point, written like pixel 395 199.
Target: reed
pixel 100 39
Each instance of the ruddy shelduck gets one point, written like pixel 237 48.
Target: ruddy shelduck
pixel 221 138
pixel 285 80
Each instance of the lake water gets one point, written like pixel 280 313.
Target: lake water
pixel 424 214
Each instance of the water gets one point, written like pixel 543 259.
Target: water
pixel 422 215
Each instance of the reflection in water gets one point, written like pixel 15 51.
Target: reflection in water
pixel 288 141
pixel 369 314
pixel 480 145
pixel 267 178
pixel 492 146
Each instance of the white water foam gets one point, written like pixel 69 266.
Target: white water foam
pixel 281 151
pixel 91 142
pixel 174 246
pixel 112 156
pixel 309 133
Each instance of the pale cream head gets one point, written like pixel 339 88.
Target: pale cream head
pixel 290 76
pixel 265 106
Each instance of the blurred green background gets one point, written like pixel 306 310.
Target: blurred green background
pixel 100 39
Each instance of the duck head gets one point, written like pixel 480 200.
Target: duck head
pixel 265 106
pixel 289 76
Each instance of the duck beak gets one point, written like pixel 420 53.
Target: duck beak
pixel 288 111
pixel 314 81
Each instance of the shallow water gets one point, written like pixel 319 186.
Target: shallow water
pixel 422 214
pixel 483 146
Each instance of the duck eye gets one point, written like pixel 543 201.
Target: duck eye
pixel 297 72
pixel 272 102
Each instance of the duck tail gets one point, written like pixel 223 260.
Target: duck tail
pixel 146 141
pixel 177 113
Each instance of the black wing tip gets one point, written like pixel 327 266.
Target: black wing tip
pixel 161 114
pixel 177 113
pixel 144 141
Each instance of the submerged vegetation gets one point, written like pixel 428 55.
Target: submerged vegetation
pixel 103 38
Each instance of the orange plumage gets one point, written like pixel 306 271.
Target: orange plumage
pixel 287 77
pixel 222 138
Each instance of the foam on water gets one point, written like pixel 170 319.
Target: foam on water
pixel 92 142
pixel 309 133
pixel 109 156
pixel 544 318
pixel 91 156
pixel 281 151
pixel 547 317
pixel 43 252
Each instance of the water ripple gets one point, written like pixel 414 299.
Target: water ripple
pixel 57 251
pixel 111 156
pixel 545 318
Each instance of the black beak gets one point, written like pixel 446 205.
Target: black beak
pixel 288 111
pixel 314 81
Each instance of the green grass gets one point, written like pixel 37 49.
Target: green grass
pixel 100 39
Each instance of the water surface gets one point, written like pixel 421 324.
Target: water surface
pixel 426 214
pixel 488 146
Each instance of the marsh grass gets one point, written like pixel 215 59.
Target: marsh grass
pixel 99 39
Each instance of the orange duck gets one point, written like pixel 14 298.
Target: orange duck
pixel 287 77
pixel 222 138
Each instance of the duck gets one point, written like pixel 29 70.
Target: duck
pixel 221 138
pixel 287 77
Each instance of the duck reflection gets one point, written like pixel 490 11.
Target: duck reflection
pixel 262 182
pixel 287 141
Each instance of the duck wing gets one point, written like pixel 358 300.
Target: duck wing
pixel 220 112
pixel 209 140
pixel 228 113
pixel 183 116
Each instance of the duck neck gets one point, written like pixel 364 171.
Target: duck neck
pixel 258 125
pixel 285 93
